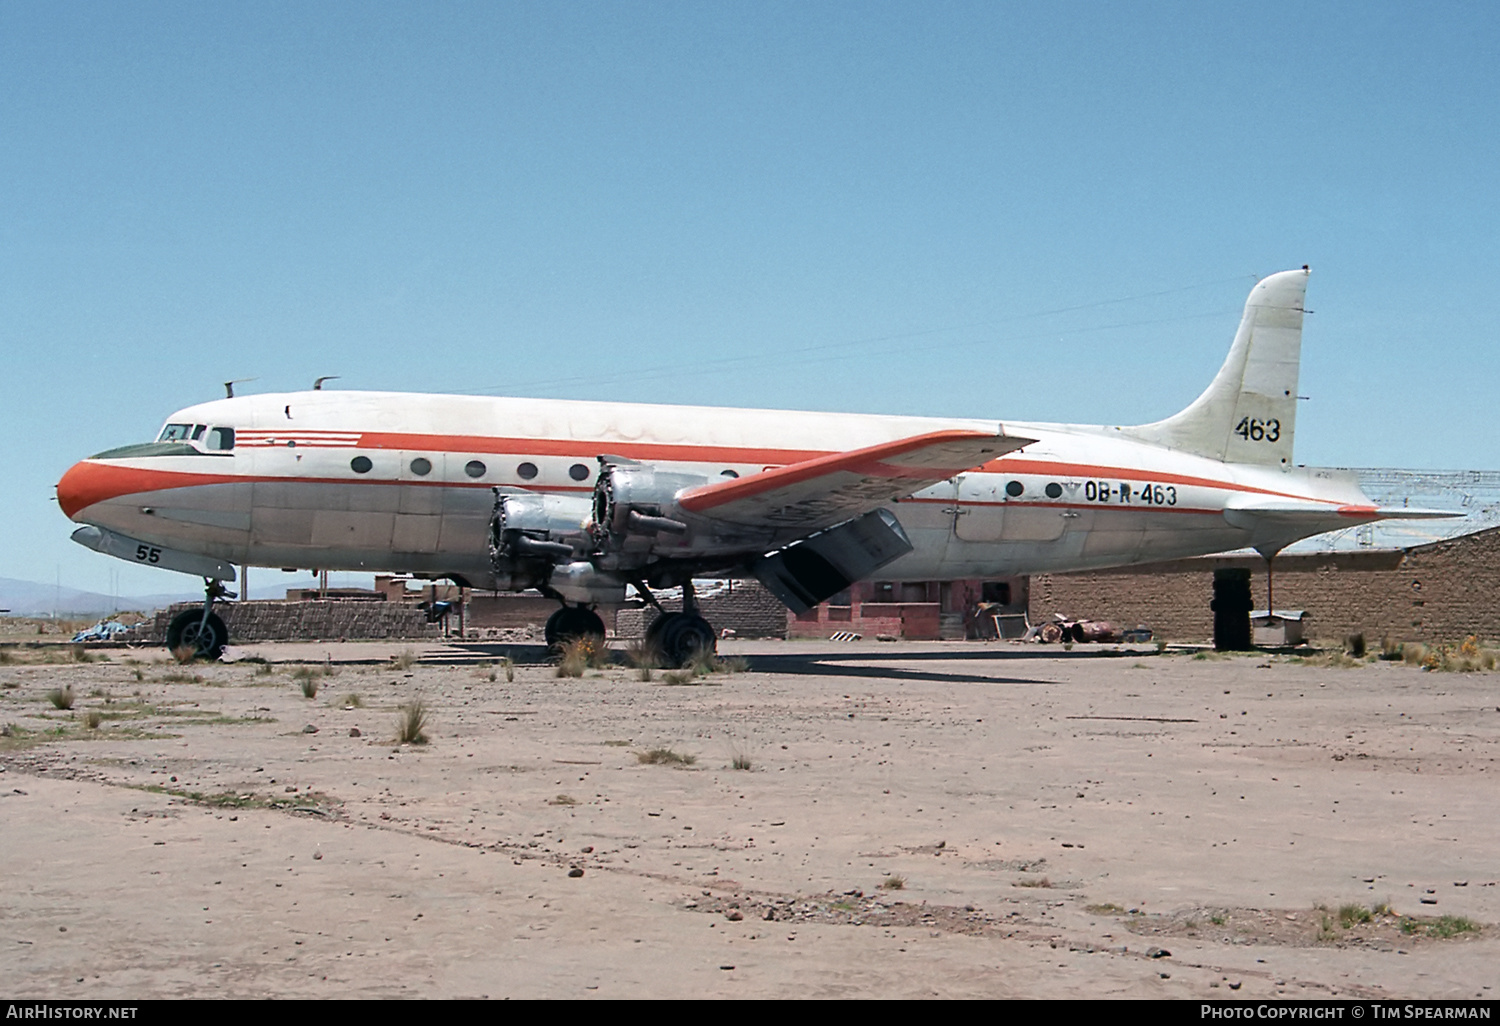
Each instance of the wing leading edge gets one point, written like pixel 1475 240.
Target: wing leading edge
pixel 828 489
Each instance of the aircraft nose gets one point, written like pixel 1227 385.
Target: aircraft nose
pixel 74 492
pixel 88 482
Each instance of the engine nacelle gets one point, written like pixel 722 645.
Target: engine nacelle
pixel 635 506
pixel 532 528
pixel 582 583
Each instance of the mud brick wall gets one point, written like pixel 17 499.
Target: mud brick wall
pixel 507 610
pixel 1439 593
pixel 748 609
pixel 305 621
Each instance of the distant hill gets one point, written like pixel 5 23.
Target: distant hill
pixel 28 598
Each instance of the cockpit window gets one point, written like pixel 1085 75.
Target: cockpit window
pixel 221 438
pixel 175 432
pixel 198 431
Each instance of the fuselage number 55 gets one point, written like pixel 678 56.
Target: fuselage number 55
pixel 147 554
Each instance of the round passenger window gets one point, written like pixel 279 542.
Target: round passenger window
pixel 421 466
pixel 1054 490
pixel 578 472
pixel 474 468
pixel 360 464
pixel 527 471
pixel 1014 488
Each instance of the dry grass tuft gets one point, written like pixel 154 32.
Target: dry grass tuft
pixel 563 799
pixel 702 663
pixel 664 757
pixel 508 667
pixel 574 657
pixel 894 882
pixel 352 701
pixel 404 660
pixel 643 656
pixel 185 654
pixel 62 698
pixel 412 720
pixel 1035 882
pixel 92 719
pixel 734 664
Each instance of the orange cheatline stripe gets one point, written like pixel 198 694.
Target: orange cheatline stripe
pixel 81 493
pixel 89 482
pixel 587 450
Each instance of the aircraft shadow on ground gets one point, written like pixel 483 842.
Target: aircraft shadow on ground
pixel 824 664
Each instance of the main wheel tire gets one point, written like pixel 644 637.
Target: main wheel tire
pixel 686 638
pixel 207 638
pixel 571 623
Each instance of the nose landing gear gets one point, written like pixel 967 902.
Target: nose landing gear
pixel 201 630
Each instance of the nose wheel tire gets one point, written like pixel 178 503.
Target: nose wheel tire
pixel 571 623
pixel 207 638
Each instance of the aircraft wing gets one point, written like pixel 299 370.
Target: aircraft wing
pixel 823 491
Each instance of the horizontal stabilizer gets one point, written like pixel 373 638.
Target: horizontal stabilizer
pixel 1413 513
pixel 1301 511
pixel 830 489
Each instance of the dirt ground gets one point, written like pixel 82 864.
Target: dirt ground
pixel 862 820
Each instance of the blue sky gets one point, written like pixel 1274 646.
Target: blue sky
pixel 1046 212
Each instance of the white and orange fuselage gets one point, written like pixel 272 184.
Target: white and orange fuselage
pixel 405 483
pixel 581 498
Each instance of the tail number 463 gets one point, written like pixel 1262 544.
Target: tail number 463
pixel 1258 430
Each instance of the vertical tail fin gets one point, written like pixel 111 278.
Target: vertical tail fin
pixel 1249 412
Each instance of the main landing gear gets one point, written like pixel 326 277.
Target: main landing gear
pixel 200 629
pixel 680 638
pixel 571 623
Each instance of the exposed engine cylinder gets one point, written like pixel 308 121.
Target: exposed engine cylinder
pixel 532 528
pixel 634 504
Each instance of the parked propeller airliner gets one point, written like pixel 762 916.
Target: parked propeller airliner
pixel 581 499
